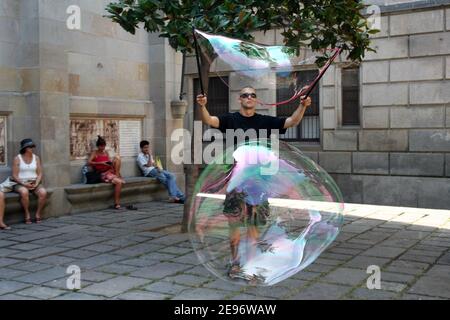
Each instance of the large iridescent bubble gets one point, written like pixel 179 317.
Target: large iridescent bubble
pixel 262 212
pixel 264 67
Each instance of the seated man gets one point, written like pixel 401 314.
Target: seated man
pixel 149 169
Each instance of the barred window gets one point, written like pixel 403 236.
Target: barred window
pixel 309 127
pixel 218 97
pixel 350 96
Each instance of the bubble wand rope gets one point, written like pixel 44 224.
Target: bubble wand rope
pixel 311 87
pixel 198 61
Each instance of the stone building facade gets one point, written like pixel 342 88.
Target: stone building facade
pixel 399 151
pixel 60 85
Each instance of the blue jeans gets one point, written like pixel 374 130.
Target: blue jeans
pixel 169 181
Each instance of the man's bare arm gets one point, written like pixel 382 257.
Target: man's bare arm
pixel 212 121
pixel 297 116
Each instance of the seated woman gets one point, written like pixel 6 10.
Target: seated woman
pixel 3 226
pixel 109 169
pixel 27 172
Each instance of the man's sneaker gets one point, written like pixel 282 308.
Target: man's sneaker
pixel 235 271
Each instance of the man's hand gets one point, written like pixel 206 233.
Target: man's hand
pixel 202 100
pixel 305 102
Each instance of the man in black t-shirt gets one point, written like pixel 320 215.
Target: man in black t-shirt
pixel 236 208
pixel 247 118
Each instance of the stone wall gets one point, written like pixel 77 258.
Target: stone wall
pixel 399 155
pixel 49 74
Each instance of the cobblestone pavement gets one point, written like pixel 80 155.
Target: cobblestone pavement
pixel 141 255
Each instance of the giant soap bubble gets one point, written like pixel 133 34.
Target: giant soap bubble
pixel 263 67
pixel 262 212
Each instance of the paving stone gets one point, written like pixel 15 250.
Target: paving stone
pixel 432 286
pixel 439 243
pixel 384 252
pixel 62 283
pixel 140 262
pixel 4 262
pixel 409 264
pixel 200 294
pixel 5 252
pixel 7 243
pixel 346 276
pixel 321 291
pixel 78 296
pixel 399 243
pixel 79 254
pixel 423 253
pixel 277 291
pixel 56 260
pixel 40 277
pixel 137 250
pixel 200 271
pixel 99 260
pixel 419 297
pixel 41 292
pixel 363 262
pixel 187 280
pixel 25 246
pixel 441 271
pixel 306 275
pixel 220 284
pixel 294 284
pixel 373 294
pixel 160 270
pixel 397 277
pixel 418 258
pixel 190 258
pixel 175 250
pixel 30 266
pixel 7 286
pixel 352 252
pixel 101 248
pixel 14 297
pixel 430 249
pixel 34 254
pixel 115 286
pixel 82 242
pixel 319 268
pixel 392 286
pixel 120 269
pixel 336 256
pixel 329 262
pixel 246 297
pixel 445 259
pixel 6 273
pixel 410 234
pixel 165 287
pixel 142 295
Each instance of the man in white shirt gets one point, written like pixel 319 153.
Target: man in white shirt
pixel 149 169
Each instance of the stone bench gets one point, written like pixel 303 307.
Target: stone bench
pixel 13 207
pixel 91 197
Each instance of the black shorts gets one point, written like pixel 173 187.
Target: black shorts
pixel 237 209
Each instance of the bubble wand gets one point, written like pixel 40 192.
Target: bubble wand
pixel 198 61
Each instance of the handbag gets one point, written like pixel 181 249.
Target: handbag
pixel 7 185
pixel 93 177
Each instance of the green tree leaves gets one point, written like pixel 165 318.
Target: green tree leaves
pixel 319 24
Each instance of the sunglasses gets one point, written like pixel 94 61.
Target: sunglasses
pixel 248 95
